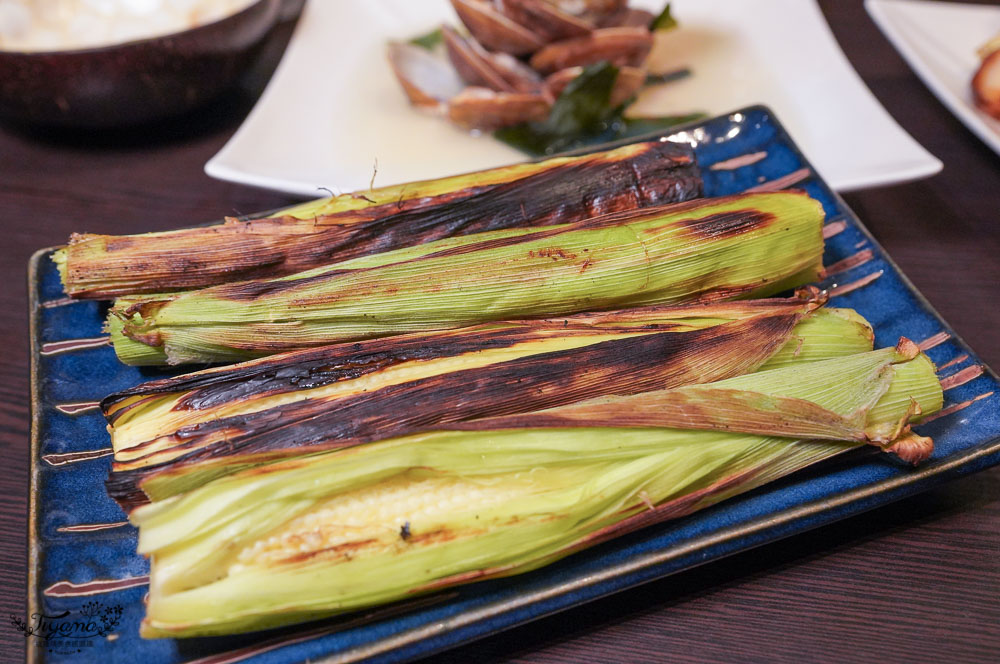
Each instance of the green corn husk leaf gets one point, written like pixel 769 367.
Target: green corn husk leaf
pixel 739 246
pixel 172 435
pixel 339 531
pixel 554 191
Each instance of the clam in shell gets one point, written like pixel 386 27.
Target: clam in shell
pixel 595 11
pixel 520 76
pixel 545 19
pixel 494 30
pixel 472 61
pixel 619 46
pixel 497 71
pixel 485 109
pixel 627 17
pixel 427 80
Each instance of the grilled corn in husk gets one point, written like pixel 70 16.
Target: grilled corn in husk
pixel 554 191
pixel 174 434
pixel 318 535
pixel 738 246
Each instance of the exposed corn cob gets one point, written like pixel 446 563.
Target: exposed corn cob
pixel 738 246
pixel 347 529
pixel 553 191
pixel 174 434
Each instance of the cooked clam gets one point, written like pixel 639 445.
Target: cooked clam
pixel 627 17
pixel 477 66
pixel 619 46
pixel 519 75
pixel 545 19
pixel 591 10
pixel 427 80
pixel 482 108
pixel 494 30
pixel 472 61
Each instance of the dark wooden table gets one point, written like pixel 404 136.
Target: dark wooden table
pixel 915 581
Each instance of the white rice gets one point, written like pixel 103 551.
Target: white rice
pixel 58 25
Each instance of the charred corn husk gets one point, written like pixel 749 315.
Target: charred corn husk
pixel 739 246
pixel 553 191
pixel 174 434
pixel 318 535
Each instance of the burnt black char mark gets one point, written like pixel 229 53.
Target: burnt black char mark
pixel 663 173
pixel 728 224
pixel 622 366
pixel 315 368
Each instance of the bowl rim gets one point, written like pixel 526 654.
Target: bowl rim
pixel 138 42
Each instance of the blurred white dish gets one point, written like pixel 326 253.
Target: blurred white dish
pixel 939 41
pixel 334 108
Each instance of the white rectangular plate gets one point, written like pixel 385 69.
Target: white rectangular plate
pixel 334 108
pixel 939 40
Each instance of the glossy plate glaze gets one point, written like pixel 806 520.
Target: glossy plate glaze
pixel 330 113
pixel 82 551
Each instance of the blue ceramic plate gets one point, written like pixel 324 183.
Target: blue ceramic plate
pixel 85 573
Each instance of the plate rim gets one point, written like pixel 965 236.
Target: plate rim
pixel 34 444
pixel 795 519
pixel 958 107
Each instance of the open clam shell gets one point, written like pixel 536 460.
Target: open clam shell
pixel 619 46
pixel 482 108
pixel 595 11
pixel 472 62
pixel 627 17
pixel 498 71
pixel 545 19
pixel 427 80
pixel 519 75
pixel 494 30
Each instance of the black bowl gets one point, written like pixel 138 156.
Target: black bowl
pixel 135 82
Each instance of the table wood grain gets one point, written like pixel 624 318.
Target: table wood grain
pixel 917 581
